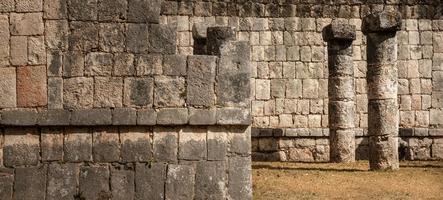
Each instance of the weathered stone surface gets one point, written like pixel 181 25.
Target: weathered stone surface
pixel 51 141
pixel 162 39
pixel 8 82
pixel 217 140
pixel 124 64
pixel 57 117
pixel 436 117
pixel 7 6
pixel 62 181
pixel 192 144
pixel 383 152
pixel 150 181
pixel 342 147
pixel 124 116
pixel 172 116
pixel 21 147
pixel 98 64
pixel 55 9
pixel 30 183
pixel 239 179
pixel 240 140
pixel 77 145
pixel 108 92
pixel 148 64
pixel 135 144
pixel 381 47
pixel 340 65
pixel 112 36
pixel 36 50
pixel 180 181
pixel 112 10
pixel 210 180
pixel 137 38
pixel 19 50
pixel 27 24
pixel 31 86
pixel 202 116
pixel 146 117
pixel 233 116
pixel 174 65
pixel 78 92
pixel 342 114
pixel 55 93
pixel 91 117
pixel 6 185
pixel 384 21
pixel 4 41
pixel 200 80
pixel 73 64
pixel 84 35
pixel 382 82
pixel 19 117
pixel 339 31
pixel 218 36
pixel 106 145
pixel 122 183
pixel 94 182
pixel 169 91
pixel 138 92
pixel 165 144
pixel 83 10
pixel 144 11
pixel 383 117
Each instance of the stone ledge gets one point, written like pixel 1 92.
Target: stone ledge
pixel 125 116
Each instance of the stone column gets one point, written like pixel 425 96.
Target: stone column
pixel 339 36
pixel 382 80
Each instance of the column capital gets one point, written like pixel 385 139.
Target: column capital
pixel 384 21
pixel 339 30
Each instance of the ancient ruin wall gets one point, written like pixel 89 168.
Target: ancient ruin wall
pixel 289 70
pixel 97 103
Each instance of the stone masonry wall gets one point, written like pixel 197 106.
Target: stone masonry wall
pixel 97 103
pixel 289 70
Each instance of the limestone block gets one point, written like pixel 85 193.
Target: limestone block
pixel 56 34
pixel 263 89
pixel 8 82
pixel 77 145
pixel 112 10
pixel 382 81
pixel 165 143
pixel 78 92
pixel 19 117
pixel 122 184
pixel 19 50
pixel 174 65
pixel 91 117
pixel 146 117
pixel 202 8
pixel 106 145
pixel 294 88
pixel 27 24
pixel 180 182
pixel 278 88
pixel 144 11
pixel 4 41
pixel 172 116
pixel 169 91
pixel 28 6
pixel 108 92
pixel 124 64
pixel 240 181
pixel 52 144
pixel 21 147
pixel 135 145
pixel 341 88
pixel 111 36
pixel 310 88
pixel 124 116
pixel 202 116
pixel 36 51
pixel 340 65
pixel 54 117
pixel 217 140
pixel 209 180
pixel 84 35
pixel 55 9
pixel 62 181
pixel 137 38
pixel 192 144
pixel 148 64
pixel 73 64
pixel 342 145
pixel 382 47
pixel 436 117
pixel 98 64
pixel 150 181
pixel 162 39
pixel 7 6
pixel 383 117
pixel 342 114
pixel 30 183
pixel 339 31
pixel 200 80
pixel 6 183
pixel 83 10
pixel 437 41
pixel 94 182
pixel 437 80
pixel 218 36
pixel 31 86
pixel 231 116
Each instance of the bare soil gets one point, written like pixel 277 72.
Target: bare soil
pixel 414 180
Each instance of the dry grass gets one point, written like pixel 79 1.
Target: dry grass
pixel 415 180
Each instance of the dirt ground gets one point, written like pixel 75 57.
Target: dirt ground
pixel 415 180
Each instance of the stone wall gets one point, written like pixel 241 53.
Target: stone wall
pixel 289 70
pixel 97 103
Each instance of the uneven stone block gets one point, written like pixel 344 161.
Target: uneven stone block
pixel 200 80
pixel 27 24
pixel 240 140
pixel 8 82
pixel 146 117
pixel 436 117
pixel 144 11
pixel 124 64
pixel 94 182
pixel 339 30
pixel 62 181
pixel 233 116
pixel 150 181
pixel 77 145
pixel 262 89
pixel 192 144
pixel 91 117
pixel 6 185
pixel 172 116
pixel 54 62
pixel 51 141
pixel 7 6
pixel 174 65
pixel 138 92
pixel 112 36
pixel 55 93
pixel 36 50
pixel 209 180
pixel 31 86
pixel 342 145
pixel 437 80
pixel 202 116
pixel 180 182
pixel 137 38
pixel 240 180
pixel 73 64
pixel 202 8
pixel 57 117
pixel 4 41
pixel 78 92
pixel 124 116
pixel 84 35
pixel 55 9
pixel 98 64
pixel 108 92
pixel 19 50
pixel 30 183
pixel 106 145
pixel 169 91
pixel 303 154
pixel 21 147
pixel 218 36
pixel 165 144
pixel 112 10
pixel 135 144
pixel 148 64
pixel 217 143
pixel 19 117
pixel 83 10
pixel 122 184
pixel 162 39
pixel 310 88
